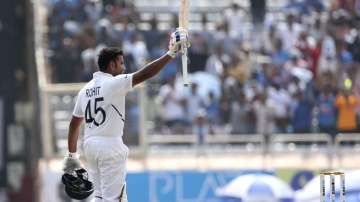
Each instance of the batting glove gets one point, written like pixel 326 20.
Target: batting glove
pixel 177 39
pixel 71 162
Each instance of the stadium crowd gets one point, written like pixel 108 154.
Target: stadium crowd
pixel 295 75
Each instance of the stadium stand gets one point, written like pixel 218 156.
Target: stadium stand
pixel 293 70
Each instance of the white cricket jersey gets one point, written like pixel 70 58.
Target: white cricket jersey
pixel 102 104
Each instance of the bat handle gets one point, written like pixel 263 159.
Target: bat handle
pixel 184 61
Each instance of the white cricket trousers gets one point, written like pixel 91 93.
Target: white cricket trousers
pixel 106 158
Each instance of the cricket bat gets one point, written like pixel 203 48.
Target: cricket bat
pixel 183 23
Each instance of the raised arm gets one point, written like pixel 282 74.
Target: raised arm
pixel 177 38
pixel 150 69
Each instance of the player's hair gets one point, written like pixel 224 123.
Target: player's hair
pixel 106 56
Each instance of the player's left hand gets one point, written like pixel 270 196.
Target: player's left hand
pixel 71 162
pixel 177 39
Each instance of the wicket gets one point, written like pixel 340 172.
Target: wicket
pixel 332 186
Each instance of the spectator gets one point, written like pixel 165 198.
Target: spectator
pixel 262 72
pixel 132 115
pixel 304 46
pixel 137 48
pixel 68 65
pixel 194 103
pixel 354 46
pixel 345 58
pixel 89 63
pixel 264 110
pixel 297 67
pixel 207 32
pixel 173 109
pixel 153 36
pixel 279 55
pixel 327 112
pixel 258 11
pixel 224 109
pixel 315 57
pixel 305 6
pixel 214 64
pixel 281 111
pixel 234 18
pixel 125 31
pixel 198 53
pixel 346 103
pixel 212 109
pixel 327 61
pixel 301 114
pixel 241 116
pixel 289 32
pixel 93 9
pixel 268 40
pixel 223 38
pixel 296 61
pixel 200 126
pixel 238 70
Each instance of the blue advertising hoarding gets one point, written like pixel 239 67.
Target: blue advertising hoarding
pixel 178 186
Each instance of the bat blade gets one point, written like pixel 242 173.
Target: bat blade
pixel 184 14
pixel 183 23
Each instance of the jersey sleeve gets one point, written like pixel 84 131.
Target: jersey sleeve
pixel 121 83
pixel 78 112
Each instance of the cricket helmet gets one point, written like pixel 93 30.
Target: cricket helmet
pixel 77 185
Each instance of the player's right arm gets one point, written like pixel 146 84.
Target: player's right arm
pixel 74 131
pixel 177 38
pixel 71 160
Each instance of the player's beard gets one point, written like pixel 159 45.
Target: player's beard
pixel 122 70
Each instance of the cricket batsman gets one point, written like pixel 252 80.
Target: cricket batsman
pixel 101 103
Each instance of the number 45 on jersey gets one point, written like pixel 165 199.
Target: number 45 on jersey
pixel 89 118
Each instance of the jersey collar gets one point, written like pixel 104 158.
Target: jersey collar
pixel 100 73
